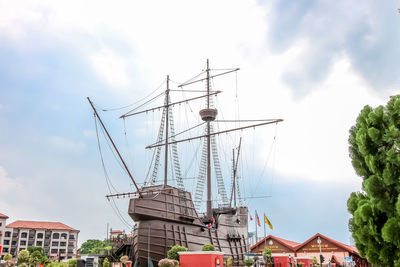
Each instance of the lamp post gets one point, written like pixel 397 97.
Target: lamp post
pixel 320 252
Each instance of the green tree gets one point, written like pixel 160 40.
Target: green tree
pixel 23 257
pixel 248 262
pixel 267 256
pixel 94 246
pixel 8 257
pixel 33 249
pixel 34 258
pixel 172 254
pixel 374 150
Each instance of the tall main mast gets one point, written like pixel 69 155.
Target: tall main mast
pixel 166 133
pixel 209 203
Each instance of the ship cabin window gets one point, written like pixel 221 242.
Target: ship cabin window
pixel 171 207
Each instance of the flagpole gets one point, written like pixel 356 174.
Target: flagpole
pixel 255 223
pixel 265 235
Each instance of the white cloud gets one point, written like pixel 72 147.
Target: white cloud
pixel 111 67
pixel 313 139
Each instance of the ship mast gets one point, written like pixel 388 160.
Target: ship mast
pixel 209 204
pixel 166 133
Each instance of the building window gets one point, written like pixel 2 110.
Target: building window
pixel 5 250
pixel 71 237
pixel 40 235
pixel 24 235
pixel 63 244
pixel 56 236
pixel 7 234
pixel 22 243
pixel 54 251
pixel 1 224
pixel 6 242
pixel 64 236
pixel 13 243
pixel 62 250
pixel 39 243
pixel 54 244
pixel 70 244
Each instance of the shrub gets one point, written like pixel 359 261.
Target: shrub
pixel 8 257
pixel 106 263
pixel 72 263
pixel 248 262
pixel 229 261
pixel 208 247
pixel 172 254
pixel 166 263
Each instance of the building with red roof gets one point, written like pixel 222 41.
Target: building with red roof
pixel 59 240
pixel 333 251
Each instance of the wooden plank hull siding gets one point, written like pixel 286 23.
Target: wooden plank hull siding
pixel 166 217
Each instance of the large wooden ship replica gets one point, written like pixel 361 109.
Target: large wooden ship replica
pixel 166 215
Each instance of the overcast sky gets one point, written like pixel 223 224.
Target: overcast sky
pixel 313 63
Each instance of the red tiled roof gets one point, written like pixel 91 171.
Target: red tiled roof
pixel 3 216
pixel 116 231
pixel 337 243
pixel 287 243
pixel 40 225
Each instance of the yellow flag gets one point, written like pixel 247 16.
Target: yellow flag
pixel 268 222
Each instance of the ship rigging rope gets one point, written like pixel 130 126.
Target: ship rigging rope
pixel 108 181
pixel 145 103
pixel 272 148
pixel 130 105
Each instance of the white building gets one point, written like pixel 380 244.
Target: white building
pixel 58 240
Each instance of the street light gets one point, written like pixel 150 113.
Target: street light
pixel 320 252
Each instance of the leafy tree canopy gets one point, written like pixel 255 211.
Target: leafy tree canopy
pixel 375 153
pixel 23 257
pixel 94 246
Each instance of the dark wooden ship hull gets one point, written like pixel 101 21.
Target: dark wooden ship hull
pixel 165 216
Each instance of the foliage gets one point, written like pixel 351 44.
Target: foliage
pixel 106 263
pixel 248 262
pixel 34 258
pixel 374 150
pixel 124 259
pixel 229 261
pixel 8 257
pixel 241 263
pixel 23 257
pixel 172 254
pixel 267 255
pixel 39 249
pixel 57 264
pixel 301 264
pixel 166 263
pixel 94 246
pixel 208 247
pixel 314 260
pixel 72 263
